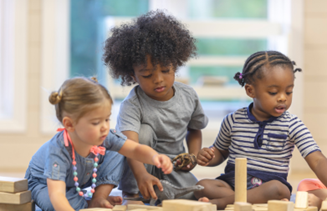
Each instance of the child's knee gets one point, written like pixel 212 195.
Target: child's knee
pixel 279 190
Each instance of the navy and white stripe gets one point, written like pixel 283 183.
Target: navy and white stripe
pixel 239 130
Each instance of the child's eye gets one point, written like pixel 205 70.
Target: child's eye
pixel 166 71
pixel 147 76
pixel 95 123
pixel 288 93
pixel 272 93
pixel 107 120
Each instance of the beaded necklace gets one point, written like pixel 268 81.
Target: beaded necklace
pixel 96 151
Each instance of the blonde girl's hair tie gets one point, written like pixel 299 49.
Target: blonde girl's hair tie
pixel 55 97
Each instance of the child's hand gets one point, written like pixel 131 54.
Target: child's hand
pixel 205 156
pixel 163 162
pixel 109 202
pixel 145 184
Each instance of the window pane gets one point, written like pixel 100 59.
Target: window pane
pixel 227 9
pixel 229 47
pixel 86 30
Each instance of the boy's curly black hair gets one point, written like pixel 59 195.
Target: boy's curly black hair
pixel 153 34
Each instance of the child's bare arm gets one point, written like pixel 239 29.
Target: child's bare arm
pixel 318 163
pixel 57 195
pixel 145 181
pixel 211 156
pixel 194 141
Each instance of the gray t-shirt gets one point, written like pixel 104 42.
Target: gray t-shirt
pixel 168 119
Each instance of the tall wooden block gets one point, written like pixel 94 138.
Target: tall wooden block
pixel 240 180
pixel 29 206
pixel 301 199
pixel 187 205
pixel 12 184
pixel 242 206
pixel 15 198
pixel 277 205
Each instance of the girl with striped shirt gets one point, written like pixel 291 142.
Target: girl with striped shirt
pixel 264 132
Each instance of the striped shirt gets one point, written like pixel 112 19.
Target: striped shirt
pixel 267 145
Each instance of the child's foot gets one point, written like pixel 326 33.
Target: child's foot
pixel 204 199
pixel 314 200
pixel 115 200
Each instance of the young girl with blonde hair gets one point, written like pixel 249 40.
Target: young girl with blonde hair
pixel 84 153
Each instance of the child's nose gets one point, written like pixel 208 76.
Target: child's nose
pixel 158 78
pixel 105 127
pixel 282 98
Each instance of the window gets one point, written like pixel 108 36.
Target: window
pixel 227 32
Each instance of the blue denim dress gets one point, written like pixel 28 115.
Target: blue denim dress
pixel 54 161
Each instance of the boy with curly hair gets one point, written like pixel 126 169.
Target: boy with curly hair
pixel 158 112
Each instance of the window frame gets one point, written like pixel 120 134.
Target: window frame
pixel 14 65
pixel 55 57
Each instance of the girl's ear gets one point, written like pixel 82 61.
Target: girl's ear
pixel 250 91
pixel 68 124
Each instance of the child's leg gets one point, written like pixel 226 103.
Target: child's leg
pixel 272 190
pixel 214 189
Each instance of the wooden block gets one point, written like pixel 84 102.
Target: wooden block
pixel 312 208
pixel 119 208
pixel 240 180
pixel 229 207
pixel 242 206
pixel 140 206
pixel 323 206
pixel 29 206
pixel 277 205
pixel 140 210
pixel 96 209
pixel 13 185
pixel 187 205
pixel 301 199
pixel 260 205
pixel 15 198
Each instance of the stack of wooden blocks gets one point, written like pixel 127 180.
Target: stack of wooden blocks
pixel 14 195
pixel 167 205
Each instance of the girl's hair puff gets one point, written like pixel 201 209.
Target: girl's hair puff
pixel 253 66
pixel 77 96
pixel 153 34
